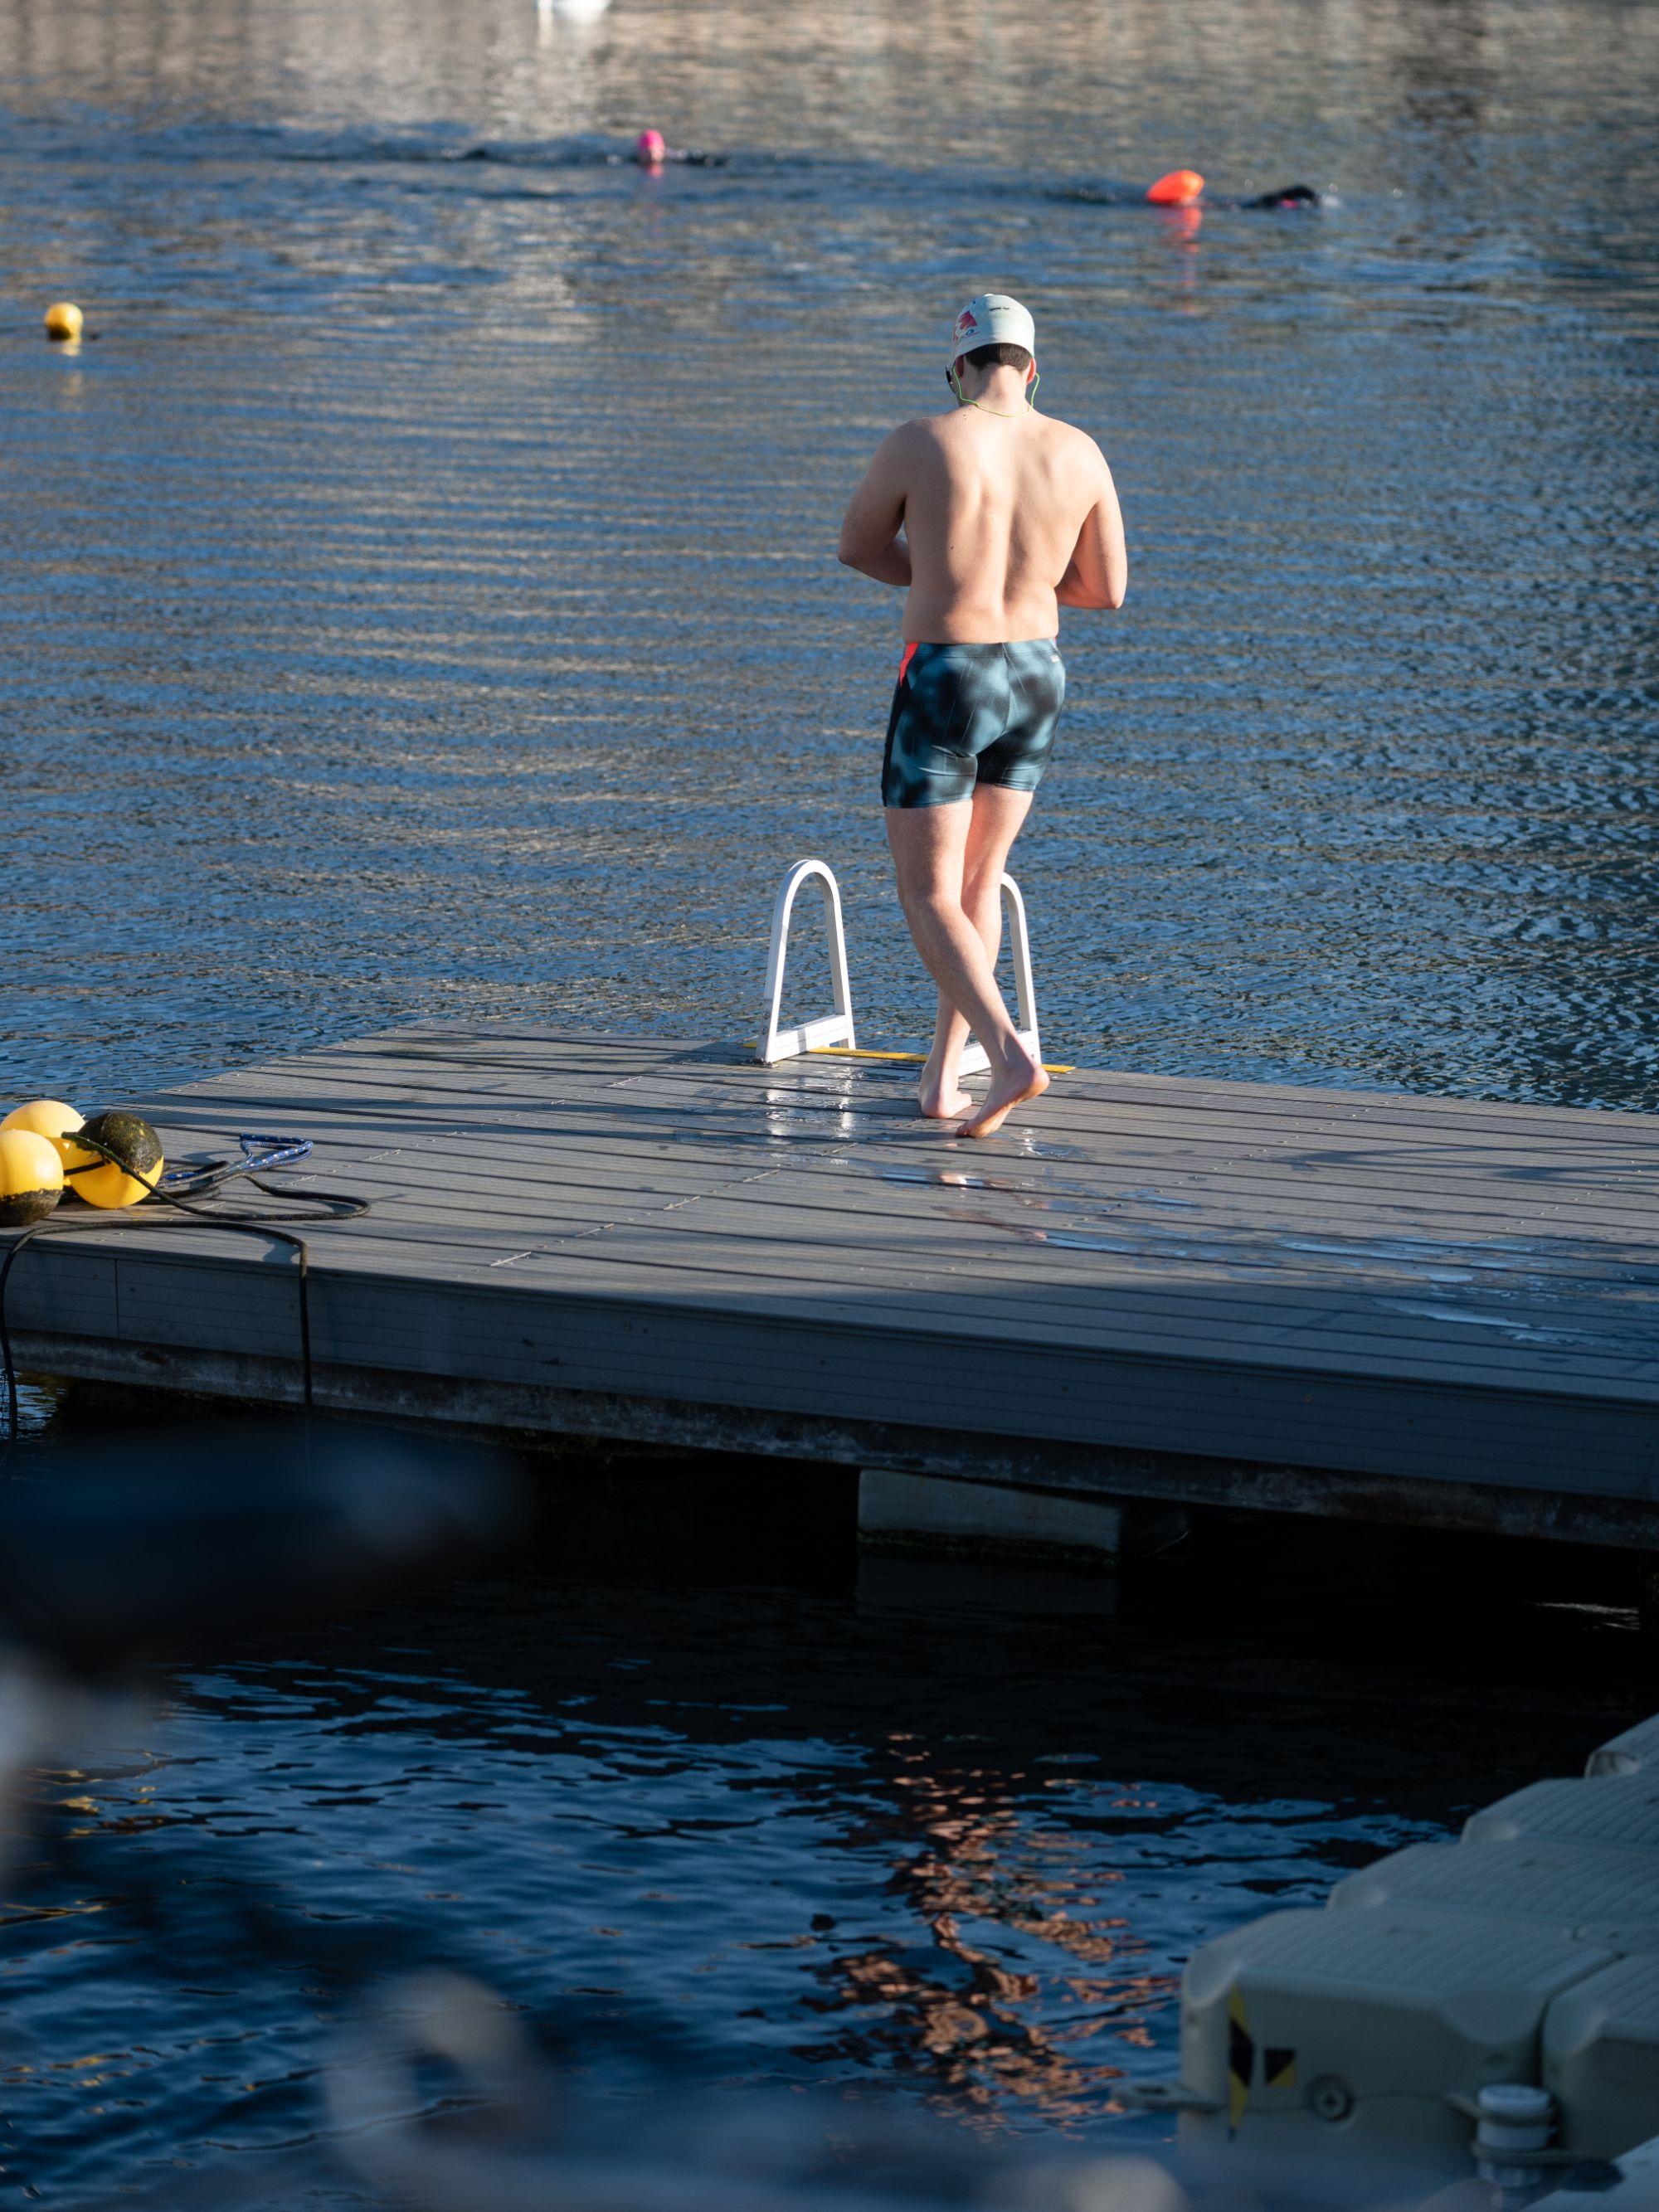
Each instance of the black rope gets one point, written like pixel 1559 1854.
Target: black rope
pixel 335 1206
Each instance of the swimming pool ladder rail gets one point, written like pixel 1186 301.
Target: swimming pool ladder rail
pixel 836 1029
pixel 973 1059
pixel 833 1032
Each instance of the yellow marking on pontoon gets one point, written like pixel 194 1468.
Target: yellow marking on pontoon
pixel 860 1051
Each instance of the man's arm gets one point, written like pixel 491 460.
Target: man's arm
pixel 870 538
pixel 1097 575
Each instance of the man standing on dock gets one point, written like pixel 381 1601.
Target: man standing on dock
pixel 990 518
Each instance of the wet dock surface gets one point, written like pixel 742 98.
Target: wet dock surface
pixel 1432 1309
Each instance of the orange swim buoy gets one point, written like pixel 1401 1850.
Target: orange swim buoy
pixel 1179 189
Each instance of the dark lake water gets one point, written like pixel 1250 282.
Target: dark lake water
pixel 720 1807
pixel 420 597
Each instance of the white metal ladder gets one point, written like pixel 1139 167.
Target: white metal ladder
pixel 836 1030
pixel 829 1029
pixel 974 1060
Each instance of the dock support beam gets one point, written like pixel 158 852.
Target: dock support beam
pixel 1647 1599
pixel 933 1512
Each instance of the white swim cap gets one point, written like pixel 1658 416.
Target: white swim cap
pixel 992 320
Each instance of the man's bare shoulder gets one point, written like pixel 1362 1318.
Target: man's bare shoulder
pixel 921 434
pixel 907 444
pixel 1077 445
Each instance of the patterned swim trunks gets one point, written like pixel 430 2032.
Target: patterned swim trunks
pixel 966 714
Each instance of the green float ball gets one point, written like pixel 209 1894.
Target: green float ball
pixel 137 1150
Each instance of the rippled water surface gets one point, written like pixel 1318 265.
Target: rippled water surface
pixel 419 595
pixel 423 595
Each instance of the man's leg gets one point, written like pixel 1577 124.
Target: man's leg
pixel 930 846
pixel 997 815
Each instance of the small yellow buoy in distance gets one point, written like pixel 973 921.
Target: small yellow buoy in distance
pixel 64 319
pixel 51 1119
pixel 136 1148
pixel 31 1178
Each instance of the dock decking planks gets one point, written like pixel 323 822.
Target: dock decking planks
pixel 1178 1286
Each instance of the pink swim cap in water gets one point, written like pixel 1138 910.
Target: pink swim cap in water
pixel 651 148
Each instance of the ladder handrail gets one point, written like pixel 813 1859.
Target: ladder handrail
pixel 836 1029
pixel 1019 946
pixel 828 1028
pixel 973 1059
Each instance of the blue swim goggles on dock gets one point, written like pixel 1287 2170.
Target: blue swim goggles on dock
pixel 258 1155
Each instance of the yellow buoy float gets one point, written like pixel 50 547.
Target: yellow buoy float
pixel 31 1178
pixel 64 320
pixel 136 1162
pixel 51 1119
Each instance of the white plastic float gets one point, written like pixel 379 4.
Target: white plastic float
pixel 1494 1999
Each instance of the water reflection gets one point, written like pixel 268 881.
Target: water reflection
pixel 996 1893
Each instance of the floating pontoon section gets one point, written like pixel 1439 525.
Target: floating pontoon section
pixel 1605 1809
pixel 1631 2186
pixel 1600 2055
pixel 1492 2002
pixel 1372 2028
pixel 1629 1753
pixel 1602 1893
pixel 836 1029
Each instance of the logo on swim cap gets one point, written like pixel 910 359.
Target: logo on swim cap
pixel 992 320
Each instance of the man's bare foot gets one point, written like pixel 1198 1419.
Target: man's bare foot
pixel 942 1101
pixel 1025 1078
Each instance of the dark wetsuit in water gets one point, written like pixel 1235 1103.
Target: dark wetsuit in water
pixel 1286 196
pixel 684 157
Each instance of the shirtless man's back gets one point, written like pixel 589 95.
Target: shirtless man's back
pixel 990 518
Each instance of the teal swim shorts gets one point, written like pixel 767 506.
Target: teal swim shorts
pixel 967 714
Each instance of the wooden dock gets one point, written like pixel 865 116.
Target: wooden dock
pixel 1436 1311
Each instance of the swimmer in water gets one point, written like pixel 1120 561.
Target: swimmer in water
pixel 989 518
pixel 1287 195
pixel 652 151
pixel 1186 188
